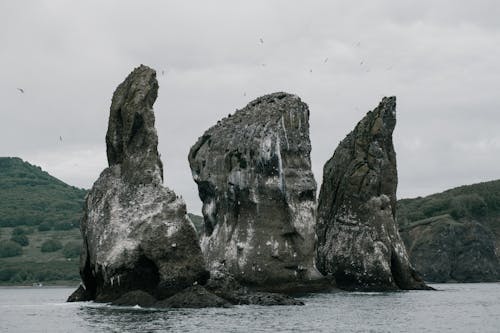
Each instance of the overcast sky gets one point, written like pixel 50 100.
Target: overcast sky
pixel 440 58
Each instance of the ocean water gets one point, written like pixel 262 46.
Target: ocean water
pixel 453 308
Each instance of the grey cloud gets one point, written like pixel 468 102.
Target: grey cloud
pixel 438 57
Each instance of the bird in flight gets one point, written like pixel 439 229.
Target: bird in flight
pixel 21 90
pixel 60 138
pixel 326 60
pixel 261 40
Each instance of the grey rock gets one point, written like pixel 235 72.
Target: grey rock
pixel 268 299
pixel 358 240
pixel 253 172
pixel 443 249
pixel 79 295
pixel 223 284
pixel 136 297
pixel 136 233
pixel 193 297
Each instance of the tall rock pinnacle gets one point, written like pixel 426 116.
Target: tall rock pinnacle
pixel 358 240
pixel 254 177
pixel 136 234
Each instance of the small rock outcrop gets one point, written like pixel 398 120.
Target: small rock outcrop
pixel 136 297
pixel 358 239
pixel 444 249
pixel 136 234
pixel 254 177
pixel 193 297
pixel 223 284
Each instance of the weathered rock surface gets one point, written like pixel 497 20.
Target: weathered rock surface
pixel 443 249
pixel 80 295
pixel 193 297
pixel 136 297
pixel 223 284
pixel 136 234
pixel 358 240
pixel 253 172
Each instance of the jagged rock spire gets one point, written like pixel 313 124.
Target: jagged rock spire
pixel 358 240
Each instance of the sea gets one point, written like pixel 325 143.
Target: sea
pixel 451 308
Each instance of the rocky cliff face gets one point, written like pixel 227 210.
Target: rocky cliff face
pixel 454 236
pixel 443 249
pixel 358 240
pixel 254 177
pixel 136 233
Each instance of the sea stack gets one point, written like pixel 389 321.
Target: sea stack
pixel 253 172
pixel 136 234
pixel 358 239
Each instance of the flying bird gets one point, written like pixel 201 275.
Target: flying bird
pixel 310 71
pixel 361 63
pixel 261 40
pixel 21 90
pixel 60 138
pixel 326 60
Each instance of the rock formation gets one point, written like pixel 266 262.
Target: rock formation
pixel 358 240
pixel 253 172
pixel 136 234
pixel 443 249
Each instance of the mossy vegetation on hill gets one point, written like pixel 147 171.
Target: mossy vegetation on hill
pixel 40 215
pixel 37 209
pixel 454 235
pixel 478 201
pixel 30 196
pixel 32 264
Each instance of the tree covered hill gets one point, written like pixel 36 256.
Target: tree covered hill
pixel 454 235
pixel 40 216
pixel 39 225
pixel 30 196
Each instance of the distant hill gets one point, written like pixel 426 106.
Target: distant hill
pixel 197 221
pixel 39 225
pixel 40 216
pixel 30 196
pixel 454 235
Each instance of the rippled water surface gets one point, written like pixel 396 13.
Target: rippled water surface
pixel 454 308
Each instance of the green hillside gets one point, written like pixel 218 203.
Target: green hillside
pixel 39 225
pixel 40 215
pixel 454 236
pixel 30 196
pixel 479 202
